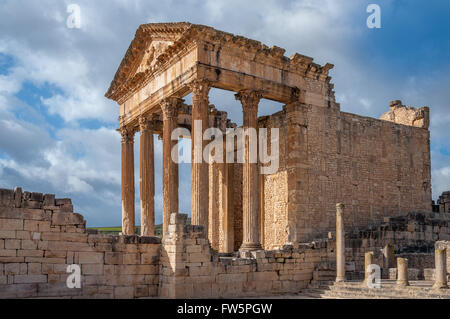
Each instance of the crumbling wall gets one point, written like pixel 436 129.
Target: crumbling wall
pixel 40 237
pixel 190 269
pixel 376 168
pixel 402 114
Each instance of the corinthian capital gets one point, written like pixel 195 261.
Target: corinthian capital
pixel 249 99
pixel 169 107
pixel 145 123
pixel 200 90
pixel 127 134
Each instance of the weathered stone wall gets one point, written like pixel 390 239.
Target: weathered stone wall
pixel 40 236
pixel 190 269
pixel 444 202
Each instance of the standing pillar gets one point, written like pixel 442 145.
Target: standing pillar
pixel 368 260
pixel 340 243
pixel 250 196
pixel 402 272
pixel 147 169
pixel 128 226
pixel 170 168
pixel 440 270
pixel 389 256
pixel 200 173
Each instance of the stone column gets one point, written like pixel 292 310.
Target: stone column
pixel 200 179
pixel 440 269
pixel 147 169
pixel 250 196
pixel 128 226
pixel 389 256
pixel 340 243
pixel 368 260
pixel 169 108
pixel 402 272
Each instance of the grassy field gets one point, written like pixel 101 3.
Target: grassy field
pixel 116 230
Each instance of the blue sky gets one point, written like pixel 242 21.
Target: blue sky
pixel 57 131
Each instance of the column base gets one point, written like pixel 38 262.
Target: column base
pixel 402 283
pixel 340 280
pixel 248 247
pixel 440 285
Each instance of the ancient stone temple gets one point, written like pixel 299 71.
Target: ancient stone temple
pixel 351 194
pixel 376 168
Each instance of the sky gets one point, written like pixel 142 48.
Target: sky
pixel 58 131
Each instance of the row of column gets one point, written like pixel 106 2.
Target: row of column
pixel 200 175
pixel 440 273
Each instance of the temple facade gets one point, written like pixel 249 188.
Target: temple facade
pixel 377 168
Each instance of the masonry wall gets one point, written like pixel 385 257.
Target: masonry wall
pixel 40 236
pixel 190 269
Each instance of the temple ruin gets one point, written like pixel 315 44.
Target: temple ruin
pixel 377 168
pixel 351 197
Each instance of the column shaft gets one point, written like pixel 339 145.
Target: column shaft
pixel 128 225
pixel 340 243
pixel 170 167
pixel 402 272
pixel 250 196
pixel 200 177
pixel 440 269
pixel 368 260
pixel 147 169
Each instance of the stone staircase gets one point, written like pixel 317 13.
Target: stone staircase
pixel 388 290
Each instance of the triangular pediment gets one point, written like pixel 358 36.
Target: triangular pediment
pixel 150 41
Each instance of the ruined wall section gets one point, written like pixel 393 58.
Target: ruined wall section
pixel 376 168
pixel 275 217
pixel 190 268
pixel 40 236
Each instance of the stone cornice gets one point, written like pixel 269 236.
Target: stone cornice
pixel 187 36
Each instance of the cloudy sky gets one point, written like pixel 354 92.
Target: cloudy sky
pixel 57 131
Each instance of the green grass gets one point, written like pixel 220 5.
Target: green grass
pixel 117 229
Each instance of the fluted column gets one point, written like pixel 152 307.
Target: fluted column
pixel 147 181
pixel 250 198
pixel 200 177
pixel 340 243
pixel 128 226
pixel 170 168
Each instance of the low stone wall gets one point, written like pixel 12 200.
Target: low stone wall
pixel 190 269
pixel 40 237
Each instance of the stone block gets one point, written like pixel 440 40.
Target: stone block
pixel 29 244
pixel 34 269
pixel 30 279
pixel 11 224
pixel 15 269
pixel 92 269
pixel 124 292
pixel 12 244
pixel 64 219
pixel 30 253
pixel 8 253
pixel 90 258
pixel 7 234
pixel 6 197
pixel 49 200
